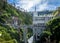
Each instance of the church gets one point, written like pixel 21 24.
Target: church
pixel 39 22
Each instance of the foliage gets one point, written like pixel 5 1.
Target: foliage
pixel 9 34
pixel 53 28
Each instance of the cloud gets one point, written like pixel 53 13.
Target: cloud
pixel 46 6
pixel 28 4
pixel 41 4
pixel 51 7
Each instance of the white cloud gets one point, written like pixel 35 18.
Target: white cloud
pixel 28 4
pixel 41 5
pixel 46 6
pixel 51 7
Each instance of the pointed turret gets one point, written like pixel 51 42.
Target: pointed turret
pixel 35 12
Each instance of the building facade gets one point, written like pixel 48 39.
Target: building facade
pixel 39 23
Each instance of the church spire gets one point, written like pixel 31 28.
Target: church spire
pixel 35 8
pixel 35 12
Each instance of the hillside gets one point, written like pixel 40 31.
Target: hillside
pixel 8 11
pixel 9 34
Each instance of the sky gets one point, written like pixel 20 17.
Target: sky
pixel 41 5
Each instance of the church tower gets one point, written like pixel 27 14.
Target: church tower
pixel 35 14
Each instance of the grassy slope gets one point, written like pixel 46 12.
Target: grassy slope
pixel 9 33
pixel 10 10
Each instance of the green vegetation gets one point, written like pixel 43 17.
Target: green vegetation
pixel 54 26
pixel 9 11
pixel 9 34
pixel 52 32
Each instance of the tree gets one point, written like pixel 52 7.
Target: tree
pixel 45 37
pixel 54 26
pixel 57 12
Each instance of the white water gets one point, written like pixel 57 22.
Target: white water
pixel 30 40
